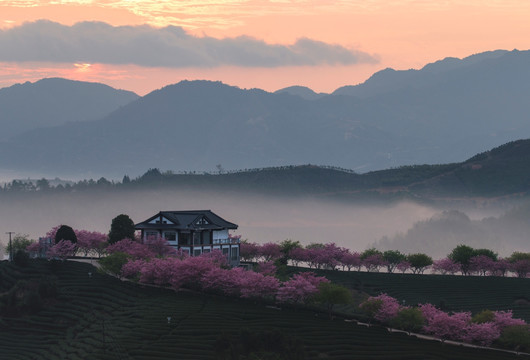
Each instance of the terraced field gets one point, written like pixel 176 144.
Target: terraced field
pixel 451 293
pixel 100 317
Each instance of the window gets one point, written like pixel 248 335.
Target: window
pixel 196 238
pixel 170 235
pixel 151 234
pixel 197 252
pixel 184 238
pixel 235 253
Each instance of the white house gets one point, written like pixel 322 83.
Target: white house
pixel 193 231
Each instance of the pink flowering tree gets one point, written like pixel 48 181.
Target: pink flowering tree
pixel 481 265
pixel 350 260
pixel 374 262
pixel 257 286
pixel 270 251
pixel 91 241
pixel 62 250
pixel 501 267
pixel 266 268
pixel 403 266
pixel 159 246
pixel 521 268
pixel 445 266
pixel 481 334
pixel 132 248
pixel 248 251
pixel 443 325
pixel 159 271
pixel 382 308
pixel 300 288
pixel 132 269
pixel 297 255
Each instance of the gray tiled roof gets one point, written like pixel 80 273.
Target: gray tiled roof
pixel 187 220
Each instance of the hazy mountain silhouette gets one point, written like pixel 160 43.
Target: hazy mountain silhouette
pixel 55 101
pixel 446 112
pixel 390 80
pixel 302 91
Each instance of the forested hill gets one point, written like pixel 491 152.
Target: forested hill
pixel 503 171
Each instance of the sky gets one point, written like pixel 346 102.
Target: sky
pixel 143 45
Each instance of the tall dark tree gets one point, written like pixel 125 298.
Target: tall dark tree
pixel 65 232
pixel 122 227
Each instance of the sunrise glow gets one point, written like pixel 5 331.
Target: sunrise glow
pixel 399 34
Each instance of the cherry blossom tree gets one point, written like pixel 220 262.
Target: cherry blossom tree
pixel 373 262
pixel 382 308
pixel 501 267
pixel 132 268
pixel 62 250
pixel 300 288
pixel 270 251
pixel 88 241
pixel 298 255
pixel 445 266
pixel 403 266
pixel 521 268
pixel 350 260
pixel 132 248
pixel 445 326
pixel 266 268
pixel 248 251
pixel 255 285
pixel 159 246
pixel 481 264
pixel 481 334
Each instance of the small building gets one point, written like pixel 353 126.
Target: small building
pixel 193 231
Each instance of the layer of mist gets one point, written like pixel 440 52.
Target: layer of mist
pixel 261 219
pixel 444 231
pixel 403 226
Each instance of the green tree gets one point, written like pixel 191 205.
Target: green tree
pixel 18 243
pixel 122 227
pixel 419 262
pixel 114 262
pixel 483 317
pixel 486 252
pixel 65 232
pixel 515 337
pixel 517 255
pixel 285 247
pixel 370 252
pixel 392 258
pixel 408 319
pixel 330 294
pixel 462 254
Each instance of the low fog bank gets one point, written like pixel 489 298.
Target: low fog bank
pixel 403 226
pixel 438 235
pixel 260 219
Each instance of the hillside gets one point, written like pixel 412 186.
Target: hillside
pixel 502 171
pixel 100 317
pixel 443 113
pixel 54 101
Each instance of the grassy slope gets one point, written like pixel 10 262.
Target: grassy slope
pixel 104 318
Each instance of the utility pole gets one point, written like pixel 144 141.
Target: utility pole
pixel 10 246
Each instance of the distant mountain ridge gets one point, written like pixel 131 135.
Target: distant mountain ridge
pixel 55 101
pixel 443 113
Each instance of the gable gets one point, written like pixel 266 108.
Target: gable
pixel 160 220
